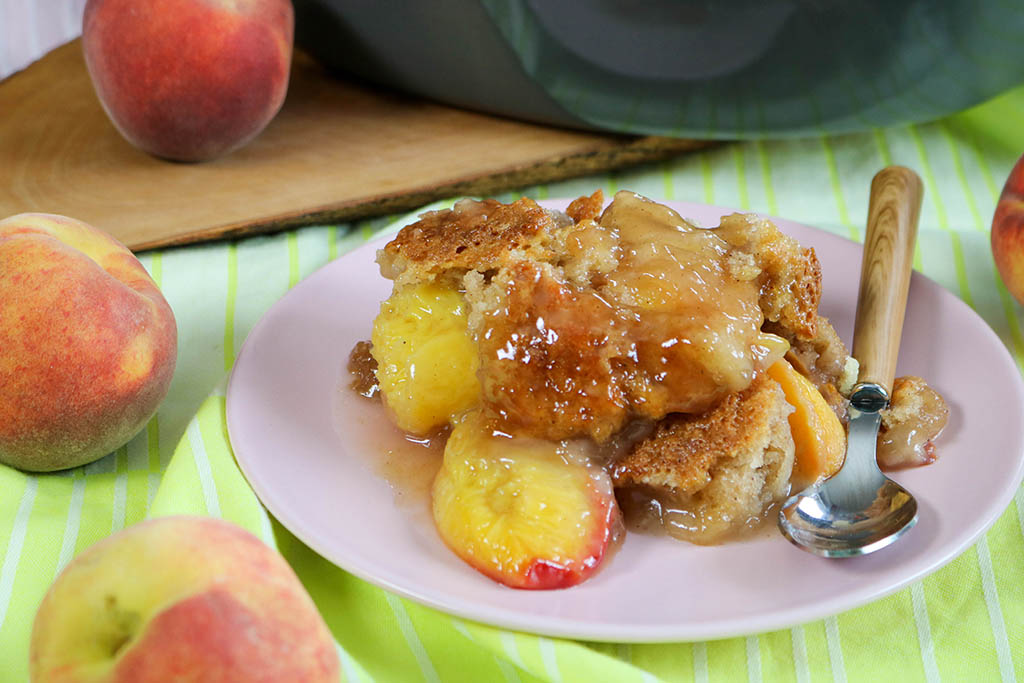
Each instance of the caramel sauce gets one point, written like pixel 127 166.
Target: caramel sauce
pixel 910 425
pixel 664 326
pixel 363 368
pixel 657 513
pixel 699 329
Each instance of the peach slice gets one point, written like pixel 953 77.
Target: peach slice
pixel 426 359
pixel 818 434
pixel 527 513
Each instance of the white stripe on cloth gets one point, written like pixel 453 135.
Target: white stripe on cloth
pixel 800 663
pixel 924 633
pixel 73 524
pixel 700 662
pixel 412 639
pixel 547 655
pixel 508 643
pixel 835 649
pixel 507 671
pixel 14 546
pixel 202 460
pixel 348 666
pixel 120 503
pixel 461 628
pixel 753 659
pixel 995 612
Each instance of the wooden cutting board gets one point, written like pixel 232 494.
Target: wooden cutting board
pixel 337 151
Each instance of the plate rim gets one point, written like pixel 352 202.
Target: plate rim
pixel 561 627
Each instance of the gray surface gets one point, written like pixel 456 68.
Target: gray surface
pixel 741 68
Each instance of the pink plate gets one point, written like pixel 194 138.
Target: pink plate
pixel 302 440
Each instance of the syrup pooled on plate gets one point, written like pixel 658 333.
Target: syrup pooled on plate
pixel 408 463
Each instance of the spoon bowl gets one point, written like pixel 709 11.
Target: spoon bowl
pixel 859 510
pixel 814 522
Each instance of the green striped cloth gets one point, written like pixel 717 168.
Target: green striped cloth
pixel 965 622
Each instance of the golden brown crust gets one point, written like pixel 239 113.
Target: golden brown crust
pixel 790 277
pixel 908 396
pixel 473 235
pixel 586 208
pixel 684 449
pixel 705 477
pixel 363 369
pixel 796 302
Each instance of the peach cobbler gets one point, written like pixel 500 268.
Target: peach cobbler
pixel 608 363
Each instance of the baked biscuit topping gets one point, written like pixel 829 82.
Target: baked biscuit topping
pixel 702 476
pixel 473 235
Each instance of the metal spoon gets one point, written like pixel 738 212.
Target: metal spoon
pixel 859 510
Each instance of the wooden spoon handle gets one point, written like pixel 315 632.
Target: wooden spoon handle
pixel 893 211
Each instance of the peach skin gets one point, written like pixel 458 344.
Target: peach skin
pixel 187 599
pixel 88 343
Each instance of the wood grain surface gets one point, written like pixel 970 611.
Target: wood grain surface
pixel 893 211
pixel 337 151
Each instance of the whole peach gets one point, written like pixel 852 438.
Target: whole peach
pixel 183 599
pixel 189 80
pixel 1008 232
pixel 88 343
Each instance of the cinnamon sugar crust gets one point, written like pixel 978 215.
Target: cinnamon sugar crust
pixel 473 235
pixel 684 450
pixel 586 208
